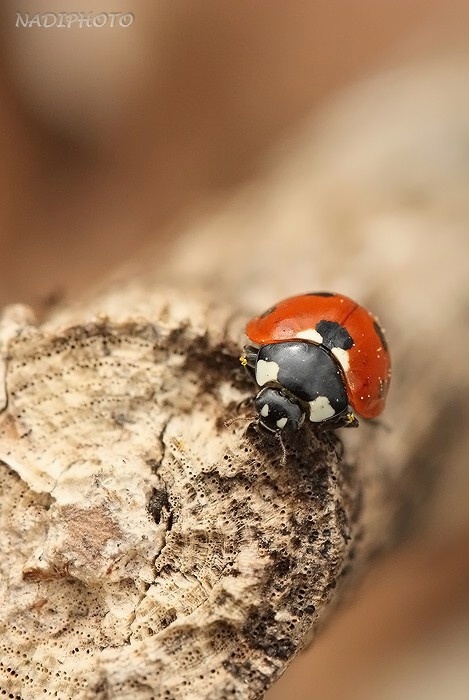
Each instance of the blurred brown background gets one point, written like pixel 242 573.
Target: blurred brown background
pixel 108 136
pixel 115 138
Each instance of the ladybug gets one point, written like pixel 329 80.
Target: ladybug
pixel 318 356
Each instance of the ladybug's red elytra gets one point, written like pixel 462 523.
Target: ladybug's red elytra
pixel 319 356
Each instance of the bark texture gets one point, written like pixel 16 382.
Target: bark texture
pixel 149 551
pixel 152 551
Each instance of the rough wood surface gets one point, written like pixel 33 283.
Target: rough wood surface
pixel 149 551
pixel 156 552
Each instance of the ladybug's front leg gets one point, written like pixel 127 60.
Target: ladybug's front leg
pixel 249 356
pixel 248 359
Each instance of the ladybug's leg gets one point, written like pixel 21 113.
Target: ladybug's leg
pixel 248 402
pixel 248 359
pixel 345 419
pixel 249 356
pixel 350 420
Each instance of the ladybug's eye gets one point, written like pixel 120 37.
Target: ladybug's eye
pixel 277 412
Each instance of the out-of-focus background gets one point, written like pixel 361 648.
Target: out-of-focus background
pixel 109 135
pixel 117 137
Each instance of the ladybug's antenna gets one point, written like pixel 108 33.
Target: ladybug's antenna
pixel 283 461
pixel 229 422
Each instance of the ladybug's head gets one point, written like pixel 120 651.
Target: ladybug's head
pixel 277 412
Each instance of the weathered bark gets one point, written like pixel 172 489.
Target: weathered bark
pixel 152 551
pixel 149 551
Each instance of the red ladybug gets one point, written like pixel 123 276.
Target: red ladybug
pixel 319 356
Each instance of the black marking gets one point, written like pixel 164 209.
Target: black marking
pixel 334 335
pixel 307 371
pixel 380 334
pixel 320 294
pixel 268 312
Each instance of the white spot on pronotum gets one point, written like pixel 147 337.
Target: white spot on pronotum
pixel 342 357
pixel 310 334
pixel 320 409
pixel 265 410
pixel 281 423
pixel 266 372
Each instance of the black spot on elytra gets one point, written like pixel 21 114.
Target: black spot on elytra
pixel 268 312
pixel 380 334
pixel 321 294
pixel 334 335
